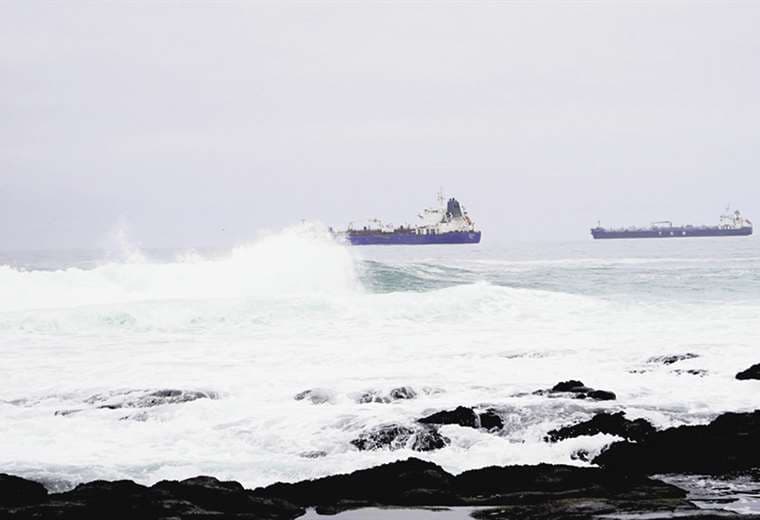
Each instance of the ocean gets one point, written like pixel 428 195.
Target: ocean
pixel 91 340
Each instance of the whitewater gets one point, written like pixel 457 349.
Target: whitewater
pixel 250 328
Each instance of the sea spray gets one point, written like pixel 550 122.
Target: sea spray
pixel 300 261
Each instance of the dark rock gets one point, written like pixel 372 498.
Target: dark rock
pixel 316 454
pixel 581 454
pixel 143 399
pixel 496 481
pixel 196 498
pixel 162 397
pixel 393 483
pixel 579 391
pixel 212 494
pixel 596 508
pixel 373 397
pixel 539 492
pixel 461 415
pixel 66 413
pixel 415 482
pixel 601 395
pixel 16 491
pixel 467 417
pixel 117 499
pixel 570 386
pixel 403 392
pixel 396 394
pixel 395 436
pixel 140 399
pixel 672 358
pixel 109 493
pixel 490 420
pixel 729 443
pixel 612 424
pixel 429 439
pixel 752 372
pixel 692 372
pixel 315 395
pixel 389 436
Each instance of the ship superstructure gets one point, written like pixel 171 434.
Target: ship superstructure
pixel 731 224
pixel 448 223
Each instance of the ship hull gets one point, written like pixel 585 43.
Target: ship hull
pixel 676 232
pixel 411 239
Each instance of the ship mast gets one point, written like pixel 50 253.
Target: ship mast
pixel 441 197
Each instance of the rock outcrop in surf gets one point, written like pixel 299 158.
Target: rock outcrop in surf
pixel 729 443
pixel 467 417
pixel 609 423
pixel 752 372
pixel 577 390
pixel 396 436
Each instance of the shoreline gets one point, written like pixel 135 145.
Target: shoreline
pixel 620 484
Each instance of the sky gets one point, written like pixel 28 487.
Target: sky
pixel 198 124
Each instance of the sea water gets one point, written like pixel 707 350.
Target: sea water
pixel 251 327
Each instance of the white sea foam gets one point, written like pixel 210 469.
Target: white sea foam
pixel 295 310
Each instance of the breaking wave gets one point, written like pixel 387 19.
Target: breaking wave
pixel 299 261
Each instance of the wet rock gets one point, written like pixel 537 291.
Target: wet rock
pixel 396 394
pixel 490 420
pixel 315 395
pixel 415 482
pixel 16 491
pixel 372 397
pixel 541 492
pixel 612 424
pixel 395 436
pixel 581 454
pixel 752 372
pixel 672 358
pixel 162 397
pixel 403 392
pixel 570 386
pixel 400 483
pixel 729 443
pixel 316 454
pixel 142 399
pixel 578 391
pixel 467 417
pixel 118 499
pixel 197 498
pixel 691 372
pixel 212 494
pixel 66 413
pixel 139 417
pixel 600 395
pixel 462 416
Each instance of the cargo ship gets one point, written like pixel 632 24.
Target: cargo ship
pixel 448 223
pixel 731 225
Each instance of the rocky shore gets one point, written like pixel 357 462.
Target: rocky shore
pixel 621 484
pixel 625 480
pixel 529 492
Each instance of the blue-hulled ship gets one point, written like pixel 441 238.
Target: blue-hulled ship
pixel 731 225
pixel 449 223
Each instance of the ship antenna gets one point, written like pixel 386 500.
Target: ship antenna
pixel 440 196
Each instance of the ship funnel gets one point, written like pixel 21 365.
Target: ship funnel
pixel 454 209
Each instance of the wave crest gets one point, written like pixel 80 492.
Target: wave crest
pixel 300 260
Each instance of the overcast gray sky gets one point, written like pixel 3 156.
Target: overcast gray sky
pixel 199 123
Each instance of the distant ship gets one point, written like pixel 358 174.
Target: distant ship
pixel 447 224
pixel 731 225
